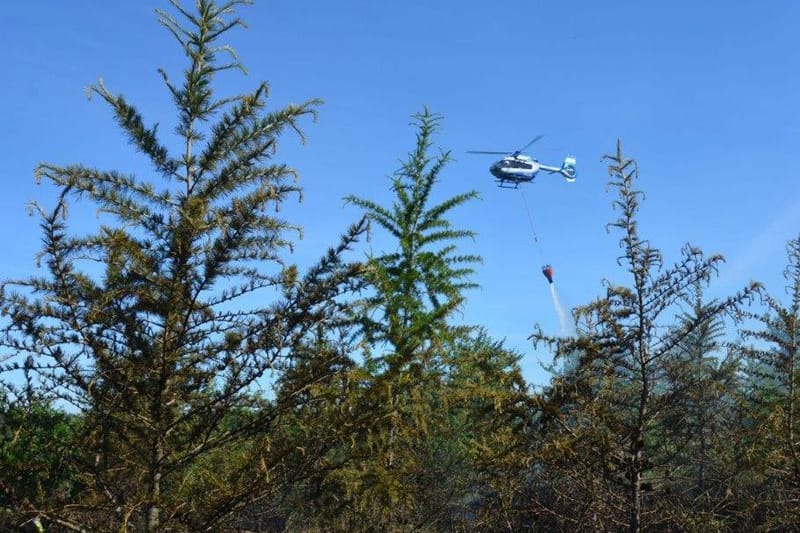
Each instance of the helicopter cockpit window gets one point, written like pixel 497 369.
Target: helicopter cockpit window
pixel 520 164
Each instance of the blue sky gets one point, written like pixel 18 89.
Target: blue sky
pixel 704 95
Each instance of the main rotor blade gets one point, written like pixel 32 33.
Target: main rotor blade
pixel 484 152
pixel 530 143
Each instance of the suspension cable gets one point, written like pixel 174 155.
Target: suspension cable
pixel 533 229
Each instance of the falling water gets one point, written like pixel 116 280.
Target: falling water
pixel 562 315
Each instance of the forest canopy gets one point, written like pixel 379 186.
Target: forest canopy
pixel 175 369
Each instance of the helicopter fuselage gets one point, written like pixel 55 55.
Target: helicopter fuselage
pixel 515 169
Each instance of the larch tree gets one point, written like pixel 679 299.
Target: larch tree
pixel 402 482
pixel 773 357
pixel 703 379
pixel 167 349
pixel 493 416
pixel 420 284
pixel 420 426
pixel 626 341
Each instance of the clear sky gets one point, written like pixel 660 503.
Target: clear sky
pixel 706 95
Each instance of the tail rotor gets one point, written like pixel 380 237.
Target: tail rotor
pixel 568 168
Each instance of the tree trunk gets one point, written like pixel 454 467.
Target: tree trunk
pixel 637 449
pixel 154 489
pixel 635 518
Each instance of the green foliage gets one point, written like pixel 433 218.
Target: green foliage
pixel 419 285
pixel 774 378
pixel 416 288
pixel 158 350
pixel 36 457
pixel 697 431
pixel 625 353
pixel 425 409
pixel 171 370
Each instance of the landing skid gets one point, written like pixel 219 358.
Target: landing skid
pixel 506 185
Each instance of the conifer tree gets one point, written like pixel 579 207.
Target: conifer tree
pixel 416 289
pixel 774 382
pixel 166 351
pixel 35 456
pixel 493 415
pixel 420 285
pixel 703 383
pixel 433 404
pixel 625 344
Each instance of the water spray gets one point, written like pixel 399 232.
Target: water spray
pixel 562 315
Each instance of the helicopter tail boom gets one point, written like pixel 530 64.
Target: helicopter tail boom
pixel 567 168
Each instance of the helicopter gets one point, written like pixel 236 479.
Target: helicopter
pixel 518 168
